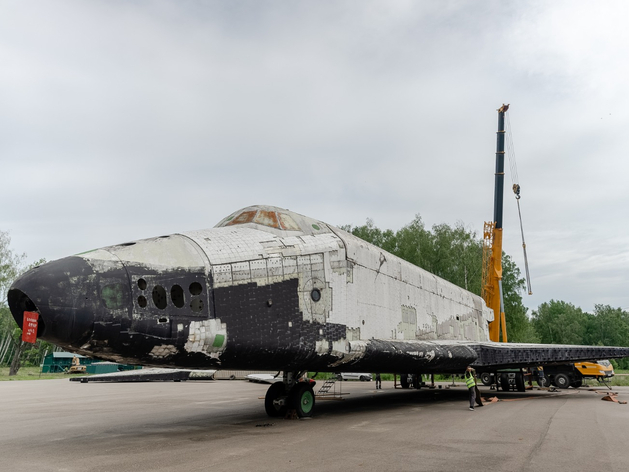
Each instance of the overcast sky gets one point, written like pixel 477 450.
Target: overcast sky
pixel 126 120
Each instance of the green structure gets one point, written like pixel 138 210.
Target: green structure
pixel 59 362
pixel 56 362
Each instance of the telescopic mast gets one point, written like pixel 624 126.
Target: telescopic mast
pixel 492 242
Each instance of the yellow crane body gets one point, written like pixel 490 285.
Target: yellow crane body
pixel 492 280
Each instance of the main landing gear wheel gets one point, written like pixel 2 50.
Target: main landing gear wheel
pixel 303 399
pixel 562 381
pixel 275 400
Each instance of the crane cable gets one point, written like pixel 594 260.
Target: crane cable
pixel 516 190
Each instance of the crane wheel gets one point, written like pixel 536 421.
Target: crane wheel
pixel 562 381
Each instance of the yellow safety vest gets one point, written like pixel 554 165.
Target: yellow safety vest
pixel 469 380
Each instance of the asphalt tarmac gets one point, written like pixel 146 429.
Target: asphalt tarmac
pixel 56 425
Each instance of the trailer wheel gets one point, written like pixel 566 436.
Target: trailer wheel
pixel 404 380
pixel 416 381
pixel 504 382
pixel 562 381
pixel 543 382
pixel 576 383
pixel 485 377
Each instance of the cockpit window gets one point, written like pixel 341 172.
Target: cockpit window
pixel 271 219
pixel 267 218
pixel 287 222
pixel 244 217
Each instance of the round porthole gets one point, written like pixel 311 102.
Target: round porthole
pixel 195 288
pixel 315 294
pixel 142 301
pixel 196 305
pixel 142 284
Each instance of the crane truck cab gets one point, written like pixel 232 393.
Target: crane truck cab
pixel 572 375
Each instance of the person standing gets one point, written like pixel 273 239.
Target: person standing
pixel 541 380
pixel 378 382
pixel 470 382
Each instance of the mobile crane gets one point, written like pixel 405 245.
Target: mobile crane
pixel 491 288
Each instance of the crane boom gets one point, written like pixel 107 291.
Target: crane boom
pixel 492 242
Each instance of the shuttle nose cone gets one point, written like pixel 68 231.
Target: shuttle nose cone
pixel 67 296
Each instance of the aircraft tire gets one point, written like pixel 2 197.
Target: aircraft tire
pixel 303 399
pixel 545 382
pixel 485 377
pixel 562 381
pixel 274 392
pixel 519 383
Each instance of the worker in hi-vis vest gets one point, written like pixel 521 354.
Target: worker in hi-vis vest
pixel 470 382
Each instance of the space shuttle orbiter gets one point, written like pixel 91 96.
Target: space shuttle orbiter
pixel 268 289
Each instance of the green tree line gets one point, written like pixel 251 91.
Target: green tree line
pixel 559 322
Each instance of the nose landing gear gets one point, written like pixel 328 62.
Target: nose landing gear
pixel 290 394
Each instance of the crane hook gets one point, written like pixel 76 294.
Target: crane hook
pixel 516 190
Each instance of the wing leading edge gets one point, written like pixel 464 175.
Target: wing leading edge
pixel 378 355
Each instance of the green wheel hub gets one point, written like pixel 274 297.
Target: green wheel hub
pixel 306 401
pixel 303 399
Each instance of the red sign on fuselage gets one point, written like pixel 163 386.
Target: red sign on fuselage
pixel 29 327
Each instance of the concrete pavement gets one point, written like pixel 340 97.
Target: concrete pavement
pixel 56 425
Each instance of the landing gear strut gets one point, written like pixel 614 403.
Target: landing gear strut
pixel 290 394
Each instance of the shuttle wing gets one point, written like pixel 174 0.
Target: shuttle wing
pixel 454 356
